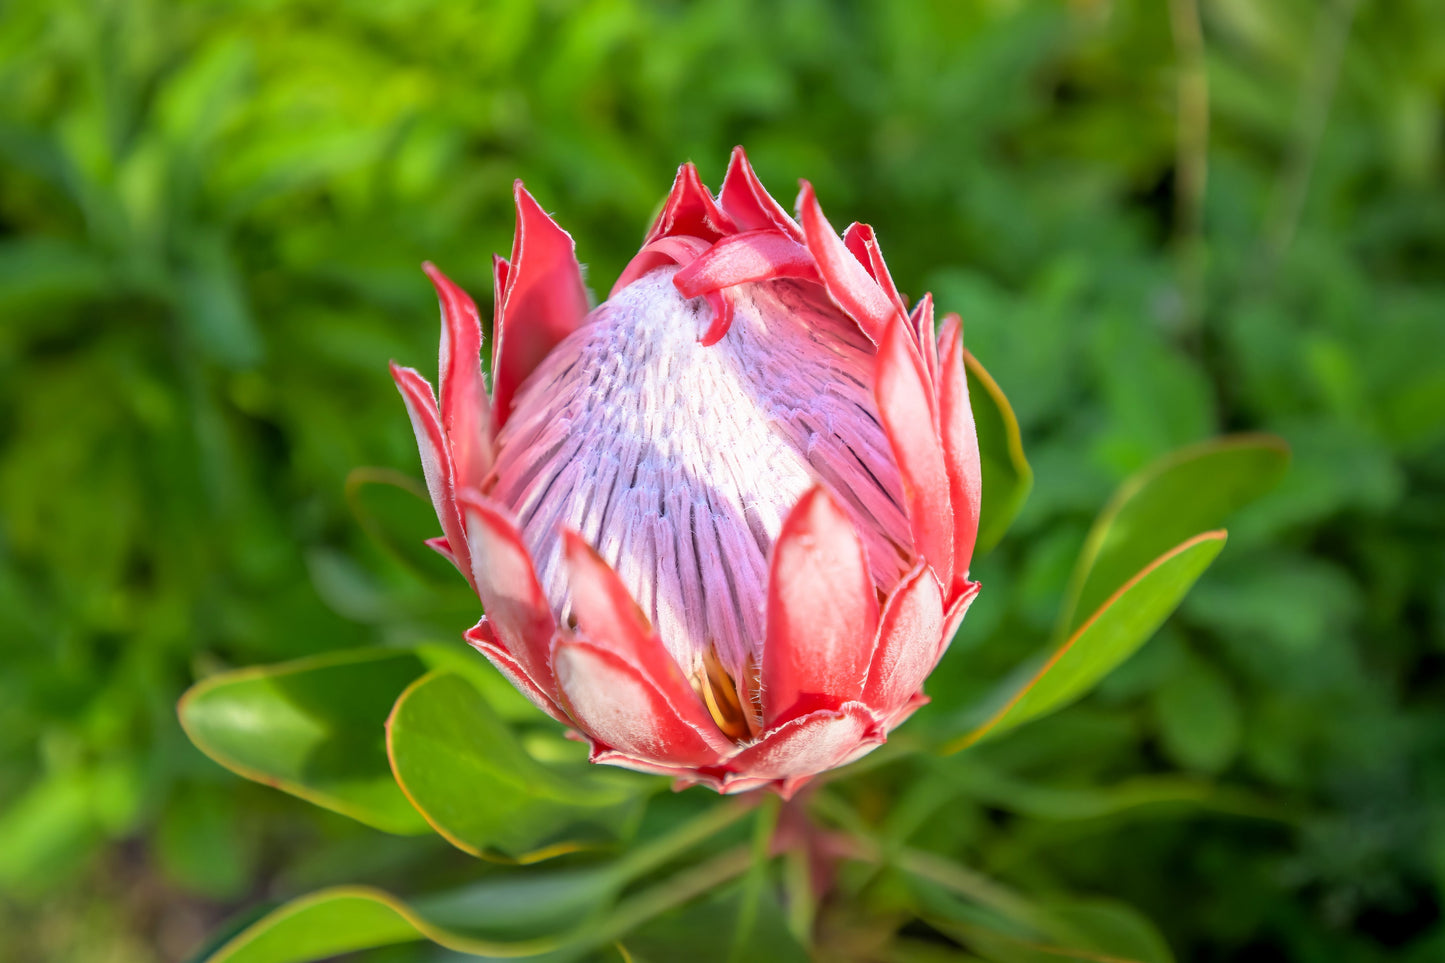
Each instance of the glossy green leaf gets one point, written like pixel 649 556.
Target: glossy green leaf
pixel 463 769
pixel 1007 476
pixel 312 728
pixel 1188 492
pixel 1112 634
pixel 348 918
pixel 511 912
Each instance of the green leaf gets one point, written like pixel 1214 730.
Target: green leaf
pixel 348 918
pixel 312 728
pixel 674 936
pixel 1007 476
pixel 1192 490
pixel 1112 634
pixel 462 768
pixel 509 913
pixel 392 508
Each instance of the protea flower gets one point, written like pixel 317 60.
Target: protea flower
pixel 721 523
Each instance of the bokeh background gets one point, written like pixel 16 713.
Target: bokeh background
pixel 1160 219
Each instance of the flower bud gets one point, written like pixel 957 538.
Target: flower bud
pixel 721 523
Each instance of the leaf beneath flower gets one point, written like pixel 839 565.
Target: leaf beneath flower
pixel 312 728
pixel 466 773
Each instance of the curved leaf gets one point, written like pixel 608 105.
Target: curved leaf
pixel 1189 491
pixel 465 772
pixel 312 728
pixel 393 508
pixel 1113 633
pixel 348 918
pixel 509 913
pixel 1007 477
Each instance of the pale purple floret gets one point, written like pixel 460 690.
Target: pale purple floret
pixel 679 462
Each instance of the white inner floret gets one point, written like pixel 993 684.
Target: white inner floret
pixel 679 462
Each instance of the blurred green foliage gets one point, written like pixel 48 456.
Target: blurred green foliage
pixel 211 218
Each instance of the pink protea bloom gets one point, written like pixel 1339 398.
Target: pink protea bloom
pixel 721 523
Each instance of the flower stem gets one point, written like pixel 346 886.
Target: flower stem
pixel 653 854
pixel 673 892
pixel 763 829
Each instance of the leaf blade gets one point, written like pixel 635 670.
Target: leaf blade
pixel 311 728
pixel 463 770
pixel 1189 491
pixel 345 919
pixel 1113 633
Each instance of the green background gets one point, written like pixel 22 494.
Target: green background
pixel 212 217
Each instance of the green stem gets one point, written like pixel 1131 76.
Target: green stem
pixel 966 883
pixel 680 840
pixel 802 904
pixel 843 816
pixel 951 876
pixel 672 892
pixel 763 829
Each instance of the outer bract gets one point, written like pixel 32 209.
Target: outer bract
pixel 721 523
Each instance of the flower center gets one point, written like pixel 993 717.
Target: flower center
pixel 679 462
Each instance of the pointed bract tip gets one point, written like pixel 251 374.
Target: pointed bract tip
pixel 688 181
pixel 812 496
pixel 575 547
pixel 738 161
pixel 523 197
pixel 405 377
pixel 528 207
pixel 438 278
pixel 806 195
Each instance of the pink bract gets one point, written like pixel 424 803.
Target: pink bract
pixel 720 524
